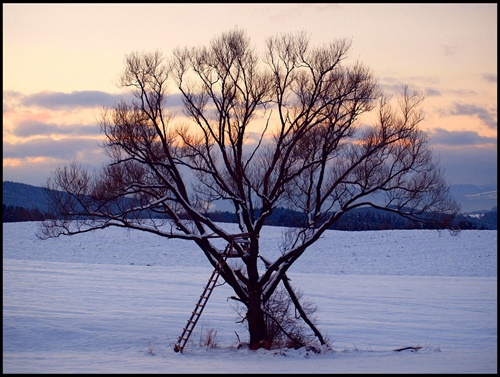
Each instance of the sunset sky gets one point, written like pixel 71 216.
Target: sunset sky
pixel 61 63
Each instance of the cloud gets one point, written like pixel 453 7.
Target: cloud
pixel 432 92
pixel 449 49
pixel 33 161
pixel 279 12
pixel 466 156
pixel 459 138
pixel 394 87
pixel 468 165
pixel 76 99
pixel 65 149
pixel 486 116
pixel 29 128
pixel 12 94
pixel 490 78
pixel 10 98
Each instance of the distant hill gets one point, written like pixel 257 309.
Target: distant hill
pixel 478 201
pixel 26 196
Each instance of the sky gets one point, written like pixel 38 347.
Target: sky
pixel 116 301
pixel 61 63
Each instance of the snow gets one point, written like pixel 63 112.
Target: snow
pixel 115 301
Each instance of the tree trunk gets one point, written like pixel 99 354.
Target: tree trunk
pixel 256 324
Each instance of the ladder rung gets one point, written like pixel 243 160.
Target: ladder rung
pixel 199 306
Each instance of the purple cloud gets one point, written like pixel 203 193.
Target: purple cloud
pixel 490 78
pixel 459 138
pixel 84 99
pixel 77 99
pixel 36 128
pixel 65 149
pixel 486 116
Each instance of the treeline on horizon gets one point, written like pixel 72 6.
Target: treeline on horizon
pixel 356 220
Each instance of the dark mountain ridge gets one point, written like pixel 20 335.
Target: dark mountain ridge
pixel 23 202
pixel 27 196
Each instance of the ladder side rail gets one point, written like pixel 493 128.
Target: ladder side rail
pixel 200 305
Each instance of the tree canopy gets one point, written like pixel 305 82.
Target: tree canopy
pixel 285 129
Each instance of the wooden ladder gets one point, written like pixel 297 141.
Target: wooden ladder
pixel 200 305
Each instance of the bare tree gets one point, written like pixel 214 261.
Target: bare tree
pixel 284 130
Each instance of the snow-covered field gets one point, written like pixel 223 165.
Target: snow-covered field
pixel 115 301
